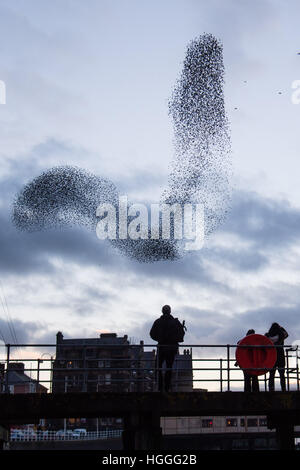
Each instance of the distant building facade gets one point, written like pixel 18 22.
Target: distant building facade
pixel 111 363
pixel 18 382
pixel 106 363
pixel 182 375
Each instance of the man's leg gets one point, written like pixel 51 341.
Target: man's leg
pixel 282 378
pixel 159 362
pixel 170 356
pixel 247 382
pixel 255 384
pixel 271 380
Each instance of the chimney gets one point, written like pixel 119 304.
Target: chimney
pixel 59 337
pixel 108 335
pixel 17 366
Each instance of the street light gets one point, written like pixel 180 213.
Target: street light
pixel 38 373
pixel 51 369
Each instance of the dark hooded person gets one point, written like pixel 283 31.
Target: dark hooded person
pixel 168 332
pixel 277 334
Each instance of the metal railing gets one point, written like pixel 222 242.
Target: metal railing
pixel 128 367
pixel 25 435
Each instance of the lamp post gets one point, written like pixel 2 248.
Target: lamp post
pixel 51 368
pixel 39 361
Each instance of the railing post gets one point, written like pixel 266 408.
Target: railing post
pixel 84 369
pixel 39 361
pixel 221 375
pixel 265 380
pixel 7 366
pixel 287 370
pixel 228 368
pixel 157 371
pixel 51 374
pixel 297 368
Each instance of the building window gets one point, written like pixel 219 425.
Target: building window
pixel 107 379
pixel 231 422
pixel 240 444
pixel 207 423
pixel 242 422
pixel 183 422
pixel 91 353
pixel 103 364
pixel 261 443
pixel 252 422
pixel 263 422
pixel 77 379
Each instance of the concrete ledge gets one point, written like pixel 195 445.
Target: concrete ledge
pixel 34 406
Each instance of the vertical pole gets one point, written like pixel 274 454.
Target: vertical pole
pixel 156 367
pixel 297 367
pixel 228 368
pixel 265 380
pixel 142 431
pixel 65 420
pixel 285 436
pixel 287 370
pixel 84 370
pixel 177 371
pixel 51 374
pixel 7 367
pixel 38 375
pixel 221 375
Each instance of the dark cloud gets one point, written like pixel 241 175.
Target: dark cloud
pixel 213 327
pixel 24 331
pixel 265 222
pixel 266 225
pixel 249 259
pixel 23 253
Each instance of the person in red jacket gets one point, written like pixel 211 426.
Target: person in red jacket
pixel 251 383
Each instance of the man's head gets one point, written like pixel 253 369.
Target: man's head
pixel 166 310
pixel 274 330
pixel 250 332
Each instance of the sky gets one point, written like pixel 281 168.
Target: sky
pixel 87 84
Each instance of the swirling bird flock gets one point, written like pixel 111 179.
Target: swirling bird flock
pixel 200 172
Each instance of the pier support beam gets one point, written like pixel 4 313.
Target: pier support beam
pixel 142 431
pixel 284 431
pixel 285 436
pixel 4 436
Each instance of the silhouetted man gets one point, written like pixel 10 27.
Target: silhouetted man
pixel 164 332
pixel 277 335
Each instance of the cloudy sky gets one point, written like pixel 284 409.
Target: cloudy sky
pixel 87 84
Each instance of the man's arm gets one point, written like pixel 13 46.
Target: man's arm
pixel 154 331
pixel 284 332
